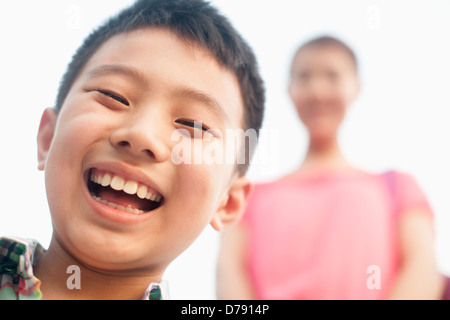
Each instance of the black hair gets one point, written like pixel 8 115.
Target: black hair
pixel 193 20
pixel 329 41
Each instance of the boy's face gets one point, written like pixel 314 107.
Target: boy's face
pixel 323 84
pixel 118 126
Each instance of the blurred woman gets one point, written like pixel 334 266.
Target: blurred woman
pixel 330 230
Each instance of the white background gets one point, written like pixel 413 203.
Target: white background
pixel 400 121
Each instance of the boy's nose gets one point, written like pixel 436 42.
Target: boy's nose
pixel 142 137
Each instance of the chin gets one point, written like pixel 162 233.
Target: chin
pixel 99 249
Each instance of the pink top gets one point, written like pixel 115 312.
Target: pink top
pixel 328 236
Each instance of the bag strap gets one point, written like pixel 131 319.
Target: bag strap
pixel 389 178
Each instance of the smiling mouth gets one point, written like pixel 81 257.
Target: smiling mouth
pixel 122 194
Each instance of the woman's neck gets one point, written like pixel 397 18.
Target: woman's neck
pixel 323 156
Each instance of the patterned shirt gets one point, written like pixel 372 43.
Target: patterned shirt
pixel 17 282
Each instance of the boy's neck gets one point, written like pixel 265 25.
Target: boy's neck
pixel 58 271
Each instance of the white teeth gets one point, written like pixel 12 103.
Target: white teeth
pixel 118 206
pixel 142 191
pixel 131 187
pixel 111 204
pixel 128 209
pixel 106 180
pixel 117 183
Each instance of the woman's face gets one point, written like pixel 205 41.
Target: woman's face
pixel 323 84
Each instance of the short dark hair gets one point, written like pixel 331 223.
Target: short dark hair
pixel 193 20
pixel 329 41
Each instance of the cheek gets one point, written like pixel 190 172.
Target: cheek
pixel 68 147
pixel 301 102
pixel 338 106
pixel 297 95
pixel 197 191
pixel 198 181
pixel 349 90
pixel 194 200
pixel 74 135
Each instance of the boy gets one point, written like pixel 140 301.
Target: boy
pixel 122 209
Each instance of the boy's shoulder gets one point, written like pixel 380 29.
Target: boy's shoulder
pixel 17 256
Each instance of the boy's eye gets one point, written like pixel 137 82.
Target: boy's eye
pixel 114 96
pixel 192 124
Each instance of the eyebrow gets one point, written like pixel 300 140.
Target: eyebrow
pixel 203 98
pixel 107 69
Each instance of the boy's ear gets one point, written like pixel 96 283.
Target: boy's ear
pixel 45 135
pixel 233 204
